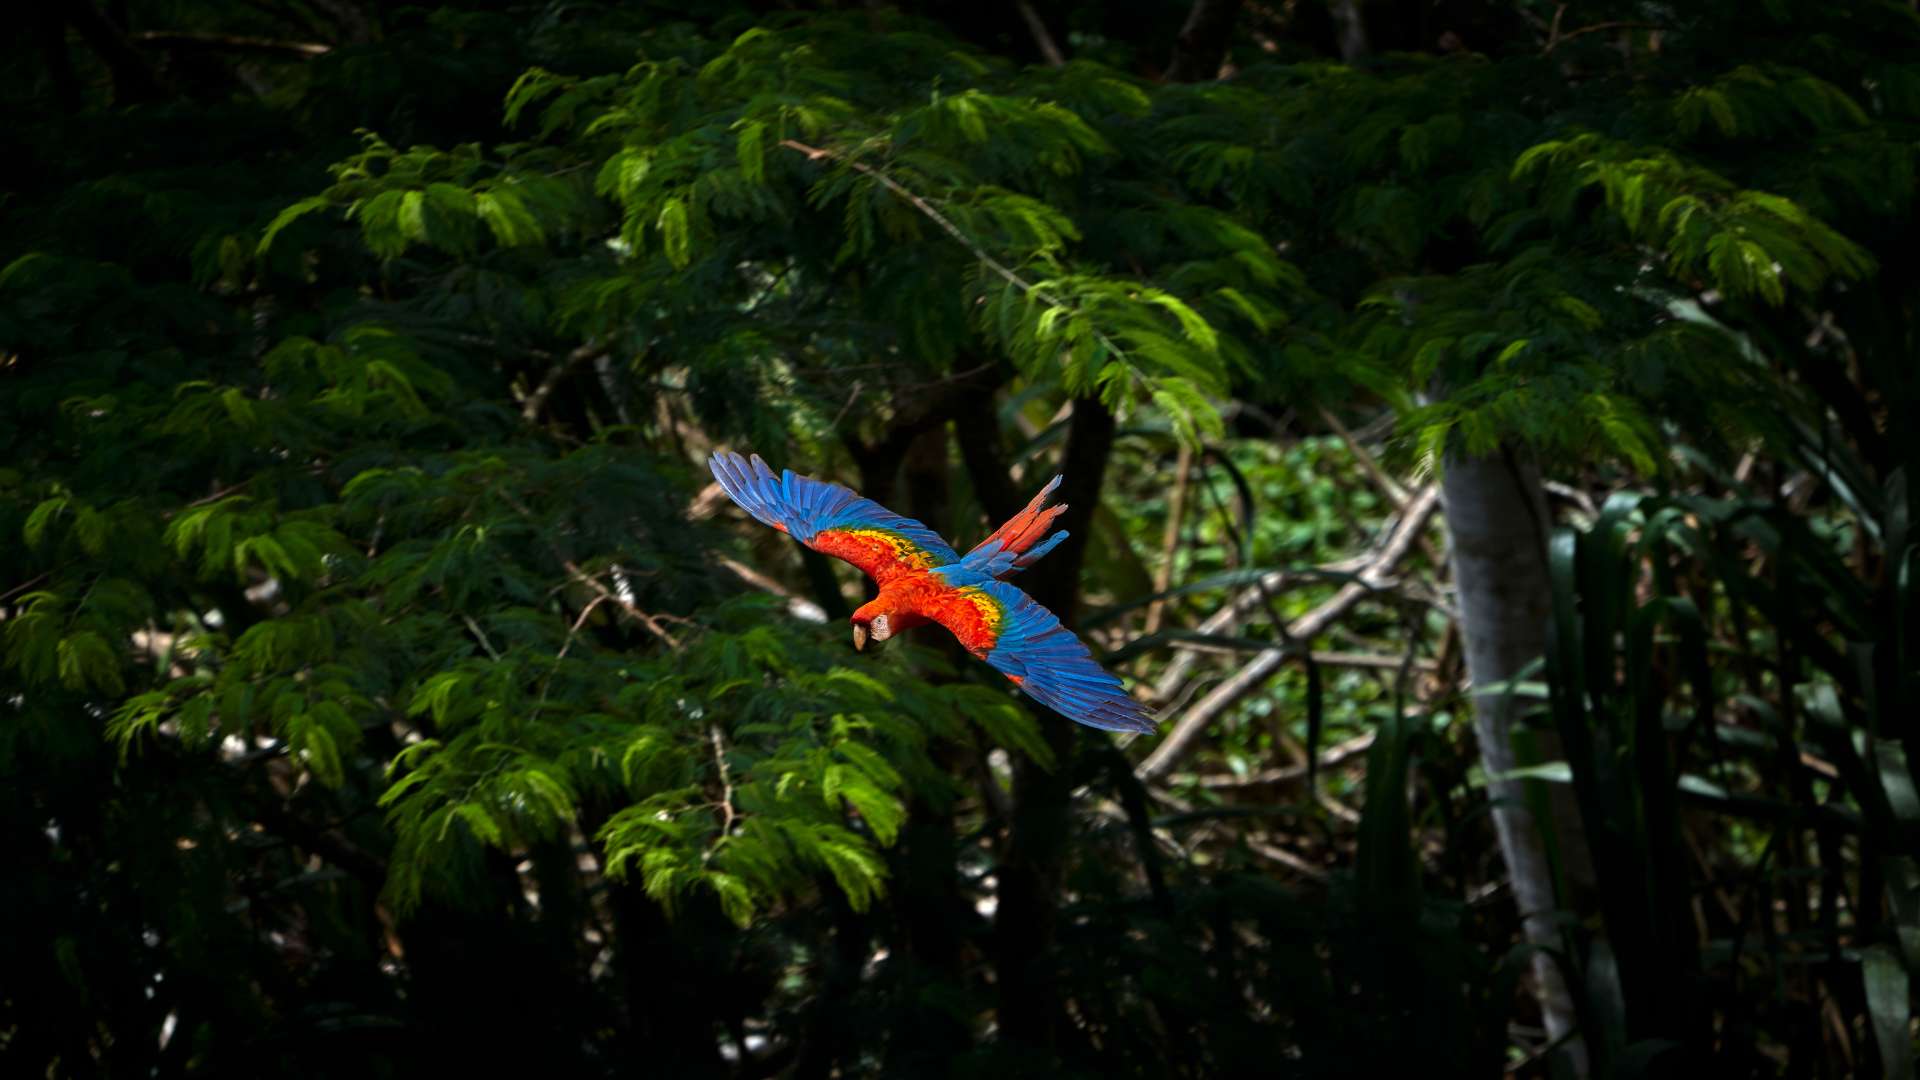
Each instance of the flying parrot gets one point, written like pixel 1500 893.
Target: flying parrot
pixel 923 580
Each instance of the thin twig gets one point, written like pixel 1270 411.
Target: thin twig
pixel 815 153
pixel 481 635
pixel 1241 605
pixel 27 584
pixel 1287 859
pixel 1170 543
pixel 726 782
pixel 1289 645
pixel 1335 755
pixel 1265 850
pixel 798 606
pixel 1395 494
pixel 181 39
pixel 1330 658
pixel 530 411
pixel 932 213
pixel 1561 39
pixel 651 622
pixel 574 630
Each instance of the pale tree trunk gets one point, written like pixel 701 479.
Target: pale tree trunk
pixel 1497 526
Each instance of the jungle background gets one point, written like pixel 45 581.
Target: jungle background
pixel 1489 431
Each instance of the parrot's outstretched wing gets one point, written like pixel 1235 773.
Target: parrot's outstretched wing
pixel 1016 545
pixel 831 519
pixel 1026 643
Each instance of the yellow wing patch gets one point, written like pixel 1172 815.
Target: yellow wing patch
pixel 880 554
pixel 990 611
pixel 905 551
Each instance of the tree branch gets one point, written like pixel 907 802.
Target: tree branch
pixel 651 622
pixel 1555 38
pixel 1337 754
pixel 933 214
pixel 1202 45
pixel 186 40
pixel 1041 38
pixel 1185 735
pixel 1170 542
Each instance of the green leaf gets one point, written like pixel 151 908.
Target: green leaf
pixel 672 224
pixel 86 661
pixel 42 518
pixel 507 218
pixel 736 902
pixel 1889 1004
pixel 750 150
pixel 287 217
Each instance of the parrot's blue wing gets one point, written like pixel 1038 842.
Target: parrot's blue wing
pixel 830 518
pixel 1053 665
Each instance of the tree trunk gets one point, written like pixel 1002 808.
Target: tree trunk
pixel 1497 524
pixel 1029 873
pixel 933 914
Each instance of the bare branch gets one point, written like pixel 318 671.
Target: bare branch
pixel 726 785
pixel 530 411
pixel 1261 848
pixel 1169 545
pixel 651 622
pixel 1041 38
pixel 798 606
pixel 1376 576
pixel 1223 621
pixel 186 40
pixel 481 636
pixel 1556 39
pixel 1395 494
pixel 1335 755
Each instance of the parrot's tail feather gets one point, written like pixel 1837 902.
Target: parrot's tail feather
pixel 1018 544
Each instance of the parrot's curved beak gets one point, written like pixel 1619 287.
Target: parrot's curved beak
pixel 859 636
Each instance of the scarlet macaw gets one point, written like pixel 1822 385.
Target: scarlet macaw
pixel 923 580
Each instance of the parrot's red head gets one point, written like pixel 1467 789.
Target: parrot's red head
pixel 871 622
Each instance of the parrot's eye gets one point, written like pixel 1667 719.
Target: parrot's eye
pixel 881 631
